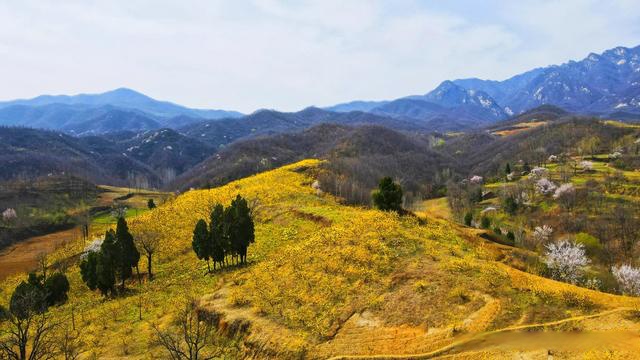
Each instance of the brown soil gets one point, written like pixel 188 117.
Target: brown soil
pixel 22 257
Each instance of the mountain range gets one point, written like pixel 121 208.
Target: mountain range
pixel 606 84
pixel 116 110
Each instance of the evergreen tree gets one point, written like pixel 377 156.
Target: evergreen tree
pixel 88 270
pixel 230 231
pixel 127 256
pixel 388 197
pixel 468 218
pixel 33 290
pixel 106 263
pixel 507 169
pixel 151 204
pixel 56 287
pixel 245 230
pixel 200 242
pixel 216 235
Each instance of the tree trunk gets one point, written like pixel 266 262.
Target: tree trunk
pixel 208 266
pixel 138 272
pixel 149 266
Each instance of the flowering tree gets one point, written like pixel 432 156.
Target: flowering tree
pixel 628 278
pixel 566 195
pixel 542 234
pixel 539 173
pixel 476 180
pixel 566 260
pixel 545 187
pixel 9 215
pixel 586 165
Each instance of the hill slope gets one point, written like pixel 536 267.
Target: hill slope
pixel 150 158
pixel 350 281
pixel 359 155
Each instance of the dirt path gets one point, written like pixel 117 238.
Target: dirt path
pixel 517 338
pixel 22 257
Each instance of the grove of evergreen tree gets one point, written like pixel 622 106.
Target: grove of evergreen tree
pixel 42 292
pixel 227 236
pixel 117 257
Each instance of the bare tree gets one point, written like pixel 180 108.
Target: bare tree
pixel 148 242
pixel 69 343
pixel 43 263
pixel 28 335
pixel 188 337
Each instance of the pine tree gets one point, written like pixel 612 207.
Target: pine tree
pixel 230 232
pixel 216 235
pixel 507 169
pixel 388 197
pixel 200 242
pixel 128 255
pixel 88 270
pixel 106 263
pixel 151 204
pixel 56 287
pixel 245 230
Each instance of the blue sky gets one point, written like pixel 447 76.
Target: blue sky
pixel 246 55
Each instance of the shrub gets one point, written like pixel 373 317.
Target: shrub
pixel 485 222
pixel 468 218
pixel 591 243
pixel 510 205
pixel 511 236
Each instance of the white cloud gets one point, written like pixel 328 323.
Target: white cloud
pixel 287 55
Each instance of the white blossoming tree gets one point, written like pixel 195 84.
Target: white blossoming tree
pixel 539 173
pixel 586 165
pixel 9 215
pixel 476 180
pixel 545 187
pixel 542 234
pixel 565 194
pixel 566 260
pixel 628 278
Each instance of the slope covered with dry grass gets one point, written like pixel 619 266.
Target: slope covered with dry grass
pixel 323 280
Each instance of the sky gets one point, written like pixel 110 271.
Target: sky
pixel 287 55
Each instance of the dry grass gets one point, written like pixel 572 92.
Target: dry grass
pixel 324 279
pixel 518 128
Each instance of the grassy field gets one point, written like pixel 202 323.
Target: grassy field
pixel 323 280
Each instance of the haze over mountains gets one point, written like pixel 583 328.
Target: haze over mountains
pixel 606 84
pixel 600 84
pixel 116 110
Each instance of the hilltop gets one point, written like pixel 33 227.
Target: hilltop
pixel 350 281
